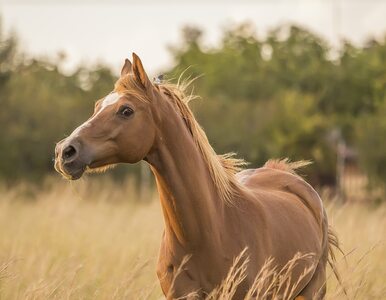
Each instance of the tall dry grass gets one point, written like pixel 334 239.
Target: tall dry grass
pixel 93 240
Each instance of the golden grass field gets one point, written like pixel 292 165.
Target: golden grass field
pixel 93 239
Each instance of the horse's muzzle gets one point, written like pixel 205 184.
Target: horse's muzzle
pixel 69 160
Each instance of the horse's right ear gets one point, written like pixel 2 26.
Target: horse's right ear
pixel 127 68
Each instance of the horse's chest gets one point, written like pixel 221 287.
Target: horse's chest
pixel 180 272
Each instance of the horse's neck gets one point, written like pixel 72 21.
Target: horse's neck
pixel 191 206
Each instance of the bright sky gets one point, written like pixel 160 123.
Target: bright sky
pixel 97 30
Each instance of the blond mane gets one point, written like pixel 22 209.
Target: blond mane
pixel 223 167
pixel 286 165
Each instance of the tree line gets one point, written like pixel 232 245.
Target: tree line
pixel 288 94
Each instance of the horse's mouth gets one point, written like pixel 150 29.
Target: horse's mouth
pixel 77 174
pixel 72 171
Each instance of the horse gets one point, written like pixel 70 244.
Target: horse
pixel 212 209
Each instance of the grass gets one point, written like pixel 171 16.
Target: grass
pixel 93 240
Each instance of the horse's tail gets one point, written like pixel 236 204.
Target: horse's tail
pixel 333 243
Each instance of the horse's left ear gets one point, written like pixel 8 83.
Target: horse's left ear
pixel 139 72
pixel 126 69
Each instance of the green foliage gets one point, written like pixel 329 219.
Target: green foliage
pixel 371 132
pixel 7 57
pixel 283 96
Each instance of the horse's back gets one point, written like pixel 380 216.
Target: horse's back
pixel 268 183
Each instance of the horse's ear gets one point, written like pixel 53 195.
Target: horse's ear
pixel 139 72
pixel 126 69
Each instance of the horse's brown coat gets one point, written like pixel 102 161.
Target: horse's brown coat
pixel 210 214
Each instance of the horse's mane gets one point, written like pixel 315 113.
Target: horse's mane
pixel 286 165
pixel 223 167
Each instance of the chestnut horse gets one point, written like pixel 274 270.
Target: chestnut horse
pixel 211 212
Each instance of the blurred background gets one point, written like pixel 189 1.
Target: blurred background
pixel 297 79
pixel 293 78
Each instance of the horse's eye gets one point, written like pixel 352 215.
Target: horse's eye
pixel 125 111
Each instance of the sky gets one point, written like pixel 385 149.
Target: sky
pixel 91 31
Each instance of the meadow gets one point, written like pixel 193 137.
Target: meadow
pixel 94 239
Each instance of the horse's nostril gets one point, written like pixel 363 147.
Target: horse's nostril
pixel 69 152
